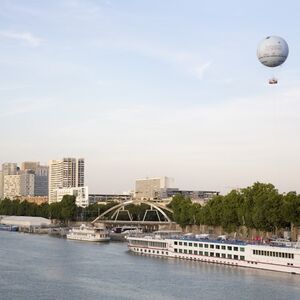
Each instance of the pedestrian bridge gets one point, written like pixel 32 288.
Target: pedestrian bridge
pixel 156 208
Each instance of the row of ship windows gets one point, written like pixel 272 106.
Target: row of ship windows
pixel 212 254
pixel 211 246
pixel 151 251
pixel 273 254
pixel 151 244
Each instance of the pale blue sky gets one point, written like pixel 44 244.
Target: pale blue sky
pixel 152 88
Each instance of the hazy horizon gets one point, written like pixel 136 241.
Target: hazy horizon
pixel 151 88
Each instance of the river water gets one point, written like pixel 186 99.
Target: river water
pixel 43 267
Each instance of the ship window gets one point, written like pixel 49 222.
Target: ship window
pixel 242 249
pixel 195 252
pixel 236 257
pixel 217 246
pixel 205 245
pixel 217 254
pixel 175 243
pixel 268 253
pixel 276 254
pixel 229 248
pixel 157 252
pixel 195 245
pixel 236 248
pixel 279 254
pixel 190 244
pixel 153 251
pixel 223 255
pixel 206 253
pixel 223 247
pixel 211 254
pixel 242 257
pixel 212 246
pixel 229 256
pixel 292 256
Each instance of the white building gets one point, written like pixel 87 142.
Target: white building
pixel 81 194
pixel 12 186
pixel 149 188
pixel 65 173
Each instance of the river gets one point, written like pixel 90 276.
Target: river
pixel 44 267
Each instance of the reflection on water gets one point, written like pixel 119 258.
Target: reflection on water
pixel 42 267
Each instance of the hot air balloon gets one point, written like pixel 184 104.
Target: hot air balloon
pixel 272 52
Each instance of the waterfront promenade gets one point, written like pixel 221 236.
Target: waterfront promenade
pixel 43 267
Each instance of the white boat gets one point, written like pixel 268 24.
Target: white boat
pixel 90 234
pixel 279 257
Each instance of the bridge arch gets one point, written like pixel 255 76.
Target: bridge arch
pixel 152 205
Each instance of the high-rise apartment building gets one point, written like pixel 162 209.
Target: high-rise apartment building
pixel 65 173
pixel 7 169
pixel 12 186
pixel 29 165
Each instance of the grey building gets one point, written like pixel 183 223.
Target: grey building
pixel 41 181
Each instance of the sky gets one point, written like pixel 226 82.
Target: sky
pixel 152 88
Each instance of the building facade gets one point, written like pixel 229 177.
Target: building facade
pixel 65 173
pixel 149 188
pixel 81 193
pixel 12 186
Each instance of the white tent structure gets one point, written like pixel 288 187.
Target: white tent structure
pixel 23 221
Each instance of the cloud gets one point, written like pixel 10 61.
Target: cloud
pixel 26 37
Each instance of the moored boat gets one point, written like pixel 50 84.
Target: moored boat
pixel 89 234
pixel 274 257
pixel 8 227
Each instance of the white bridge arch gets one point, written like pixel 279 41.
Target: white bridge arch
pixel 121 207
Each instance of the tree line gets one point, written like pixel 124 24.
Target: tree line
pixel 66 210
pixel 259 206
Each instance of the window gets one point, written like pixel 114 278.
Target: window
pixel 217 246
pixel 185 251
pixel 242 249
pixel 190 252
pixel 242 257
pixel 195 245
pixel 212 246
pixel 190 244
pixel 205 245
pixel 223 255
pixel 206 253
pixel 180 250
pixel 235 248
pixel 175 243
pixel 201 253
pixel 180 243
pixel 229 248
pixel 175 250
pixel 185 243
pixel 211 254
pixel 201 245
pixel 217 254
pixel 229 256
pixel 195 252
pixel 223 247
pixel 235 257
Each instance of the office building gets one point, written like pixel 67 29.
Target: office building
pixel 149 188
pixel 81 194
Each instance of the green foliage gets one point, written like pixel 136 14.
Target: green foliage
pixel 259 206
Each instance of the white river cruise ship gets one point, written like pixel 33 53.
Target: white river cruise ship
pixel 283 257
pixel 89 234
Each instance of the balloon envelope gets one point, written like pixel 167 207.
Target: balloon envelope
pixel 272 51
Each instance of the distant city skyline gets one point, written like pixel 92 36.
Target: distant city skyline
pixel 152 88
